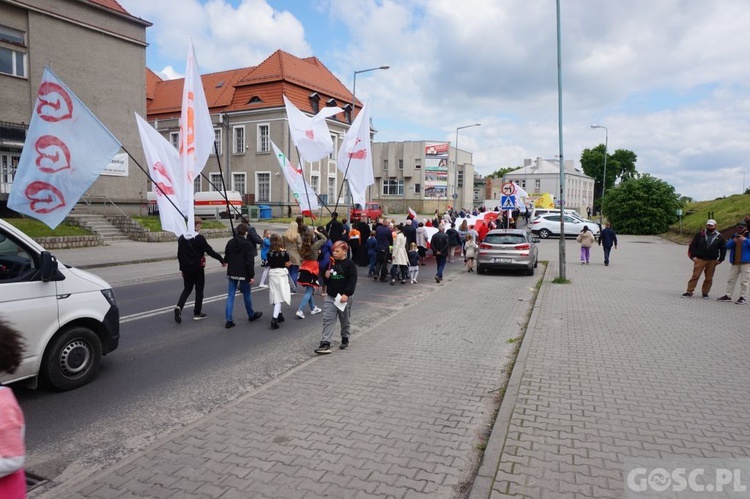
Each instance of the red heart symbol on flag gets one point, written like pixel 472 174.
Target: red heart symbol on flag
pixel 49 158
pixel 54 103
pixel 45 198
pixel 310 134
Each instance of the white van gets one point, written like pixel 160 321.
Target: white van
pixel 69 318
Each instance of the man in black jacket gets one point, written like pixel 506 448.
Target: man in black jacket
pixel 191 256
pixel 439 244
pixel 707 250
pixel 341 281
pixel 240 257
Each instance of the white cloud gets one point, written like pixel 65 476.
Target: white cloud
pixel 667 78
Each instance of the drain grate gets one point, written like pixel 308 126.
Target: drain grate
pixel 33 481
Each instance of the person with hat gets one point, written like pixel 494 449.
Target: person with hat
pixel 707 250
pixel 739 256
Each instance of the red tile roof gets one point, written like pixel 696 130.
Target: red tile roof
pixel 257 87
pixel 111 5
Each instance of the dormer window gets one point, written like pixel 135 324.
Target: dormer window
pixel 331 103
pixel 348 113
pixel 255 99
pixel 314 102
pixel 220 84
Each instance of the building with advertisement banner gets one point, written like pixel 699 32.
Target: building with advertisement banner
pixel 420 174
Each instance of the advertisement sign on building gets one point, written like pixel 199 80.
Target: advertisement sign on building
pixel 436 170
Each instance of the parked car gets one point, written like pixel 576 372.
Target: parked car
pixel 68 318
pixel 370 212
pixel 508 249
pixel 549 225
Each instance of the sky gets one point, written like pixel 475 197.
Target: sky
pixel 668 78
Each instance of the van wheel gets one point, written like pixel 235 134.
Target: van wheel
pixel 71 359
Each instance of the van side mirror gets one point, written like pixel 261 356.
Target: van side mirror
pixel 49 267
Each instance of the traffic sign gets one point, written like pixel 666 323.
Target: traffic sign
pixel 508 188
pixel 455 196
pixel 507 202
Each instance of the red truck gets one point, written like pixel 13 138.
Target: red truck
pixel 369 213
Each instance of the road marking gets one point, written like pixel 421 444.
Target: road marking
pixel 164 310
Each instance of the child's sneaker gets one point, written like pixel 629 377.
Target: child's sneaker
pixel 724 298
pixel 300 314
pixel 741 300
pixel 316 311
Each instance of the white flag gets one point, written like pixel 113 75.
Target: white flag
pixel 196 135
pixel 66 149
pixel 301 190
pixel 310 135
pixel 355 156
pixel 164 168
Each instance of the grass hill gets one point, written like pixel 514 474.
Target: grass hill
pixel 726 211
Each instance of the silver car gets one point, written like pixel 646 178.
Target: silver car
pixel 508 249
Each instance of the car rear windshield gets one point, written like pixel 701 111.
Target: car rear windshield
pixel 504 239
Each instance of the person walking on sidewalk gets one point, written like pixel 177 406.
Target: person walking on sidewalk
pixel 191 256
pixel 309 271
pixel 278 279
pixel 739 256
pixel 439 244
pixel 341 281
pixel 400 259
pixel 707 250
pixel 607 239
pixel 240 256
pixel 587 240
pixel 470 251
pixel 12 424
pixel 413 263
pixel 384 240
pixel 292 242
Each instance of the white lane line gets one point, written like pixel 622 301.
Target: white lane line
pixel 164 310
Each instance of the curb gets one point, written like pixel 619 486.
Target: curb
pixel 484 481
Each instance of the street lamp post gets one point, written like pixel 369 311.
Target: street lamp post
pixel 455 163
pixel 604 175
pixel 351 120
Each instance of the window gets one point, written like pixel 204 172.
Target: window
pixel 264 138
pixel 332 190
pixel 417 164
pixel 315 183
pixel 238 183
pixel 348 113
pixel 263 190
pixel 217 142
pixel 215 182
pixel 16 264
pixel 12 35
pixel 537 185
pixel 460 178
pixel 12 62
pixel 174 138
pixel 385 165
pixel 197 184
pixel 335 140
pixel 315 102
pixel 331 102
pixel 239 139
pixel 400 164
pixel 393 187
pixel 417 188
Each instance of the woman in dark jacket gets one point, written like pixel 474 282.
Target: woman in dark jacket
pixel 191 255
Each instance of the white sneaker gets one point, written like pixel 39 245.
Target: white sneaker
pixel 300 314
pixel 262 286
pixel 316 311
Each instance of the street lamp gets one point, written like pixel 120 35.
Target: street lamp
pixel 604 175
pixel 455 164
pixel 351 120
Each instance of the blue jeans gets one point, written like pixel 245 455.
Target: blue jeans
pixel 607 250
pixel 231 291
pixel 440 264
pixel 308 298
pixel 373 257
pixel 293 273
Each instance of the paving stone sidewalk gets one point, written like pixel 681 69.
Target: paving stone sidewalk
pixel 402 413
pixel 617 366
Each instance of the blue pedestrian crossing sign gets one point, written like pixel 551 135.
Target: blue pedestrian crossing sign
pixel 507 202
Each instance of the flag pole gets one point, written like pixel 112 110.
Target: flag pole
pixel 224 186
pixel 154 183
pixel 304 183
pixel 307 195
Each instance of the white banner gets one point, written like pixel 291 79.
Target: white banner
pixel 118 167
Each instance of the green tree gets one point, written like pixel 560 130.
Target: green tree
pixel 642 204
pixel 502 171
pixel 620 166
